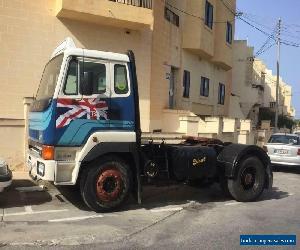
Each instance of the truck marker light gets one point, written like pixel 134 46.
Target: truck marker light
pixel 48 152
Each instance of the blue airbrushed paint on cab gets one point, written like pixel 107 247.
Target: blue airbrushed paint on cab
pixel 80 130
pixel 42 125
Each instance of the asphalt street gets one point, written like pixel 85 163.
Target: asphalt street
pixel 171 217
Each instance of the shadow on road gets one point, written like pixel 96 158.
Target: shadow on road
pixel 154 196
pixel 12 198
pixel 174 195
pixel 180 194
pixel 72 195
pixel 274 194
pixel 287 169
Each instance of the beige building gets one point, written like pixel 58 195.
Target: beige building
pixel 183 53
pixel 248 81
pixel 285 95
pixel 254 86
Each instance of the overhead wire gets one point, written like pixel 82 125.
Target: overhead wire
pixel 284 32
pixel 195 16
pixel 265 50
pixel 250 20
pixel 265 46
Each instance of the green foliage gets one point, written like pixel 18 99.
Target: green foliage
pixel 283 121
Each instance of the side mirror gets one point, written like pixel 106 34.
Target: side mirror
pixel 86 84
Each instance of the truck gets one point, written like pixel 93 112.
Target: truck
pixel 84 129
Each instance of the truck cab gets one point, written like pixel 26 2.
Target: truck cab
pixel 82 93
pixel 84 128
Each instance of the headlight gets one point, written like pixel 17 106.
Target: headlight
pixel 65 155
pixel 3 167
pixel 40 168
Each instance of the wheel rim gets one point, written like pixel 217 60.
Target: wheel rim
pixel 109 185
pixel 248 178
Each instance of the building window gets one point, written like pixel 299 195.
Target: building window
pixel 186 83
pixel 229 33
pixel 204 87
pixel 272 104
pixel 221 95
pixel 209 14
pixel 171 17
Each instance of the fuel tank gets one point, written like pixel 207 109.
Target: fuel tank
pixel 192 162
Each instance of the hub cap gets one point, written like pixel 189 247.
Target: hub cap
pixel 248 178
pixel 109 185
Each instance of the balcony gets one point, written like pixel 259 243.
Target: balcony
pixel 197 37
pixel 223 50
pixel 138 3
pixel 131 14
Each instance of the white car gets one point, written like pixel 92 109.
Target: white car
pixel 284 149
pixel 5 175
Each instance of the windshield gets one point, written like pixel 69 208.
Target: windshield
pixel 285 139
pixel 49 79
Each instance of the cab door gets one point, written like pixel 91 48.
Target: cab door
pixel 122 109
pixel 78 115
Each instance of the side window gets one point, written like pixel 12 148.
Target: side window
pixel 209 14
pixel 186 83
pixel 221 95
pixel 71 85
pixel 120 79
pixel 229 33
pixel 98 71
pixel 204 87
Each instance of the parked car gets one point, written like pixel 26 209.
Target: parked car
pixel 297 132
pixel 5 175
pixel 284 149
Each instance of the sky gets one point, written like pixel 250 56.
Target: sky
pixel 264 14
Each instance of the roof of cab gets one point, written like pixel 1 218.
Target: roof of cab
pixel 69 48
pixel 97 54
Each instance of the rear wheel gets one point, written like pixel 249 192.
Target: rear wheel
pixel 106 185
pixel 249 182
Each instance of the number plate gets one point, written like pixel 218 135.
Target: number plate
pixel 281 151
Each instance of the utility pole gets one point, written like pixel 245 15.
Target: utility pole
pixel 277 82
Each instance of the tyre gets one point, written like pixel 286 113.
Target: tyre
pixel 250 180
pixel 105 185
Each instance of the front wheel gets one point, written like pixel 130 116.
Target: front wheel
pixel 249 182
pixel 106 185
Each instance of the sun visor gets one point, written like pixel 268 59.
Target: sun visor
pixel 68 43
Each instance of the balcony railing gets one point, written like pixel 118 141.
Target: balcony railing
pixel 138 3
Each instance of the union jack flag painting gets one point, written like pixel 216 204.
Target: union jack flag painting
pixel 93 109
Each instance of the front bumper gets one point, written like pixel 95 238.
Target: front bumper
pixel 287 161
pixel 39 168
pixel 5 181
